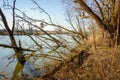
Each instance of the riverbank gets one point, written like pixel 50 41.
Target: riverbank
pixel 100 64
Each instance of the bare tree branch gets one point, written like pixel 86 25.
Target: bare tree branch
pixel 18 48
pixel 13 10
pixel 70 21
pixel 42 10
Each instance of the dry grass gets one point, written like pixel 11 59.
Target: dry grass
pixel 98 66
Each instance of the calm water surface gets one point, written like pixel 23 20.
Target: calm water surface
pixel 8 63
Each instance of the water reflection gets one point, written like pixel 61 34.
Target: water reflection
pixel 25 71
pixel 18 71
pixel 30 70
pixel 24 67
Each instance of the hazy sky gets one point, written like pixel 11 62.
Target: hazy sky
pixel 53 7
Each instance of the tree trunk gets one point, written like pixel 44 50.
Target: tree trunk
pixel 92 14
pixel 116 22
pixel 18 53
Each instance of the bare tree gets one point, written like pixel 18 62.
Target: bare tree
pixel 17 48
pixel 105 16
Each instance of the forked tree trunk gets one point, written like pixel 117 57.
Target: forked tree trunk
pixel 18 53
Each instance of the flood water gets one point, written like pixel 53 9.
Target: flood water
pixel 9 65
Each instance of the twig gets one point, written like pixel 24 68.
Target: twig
pixel 42 10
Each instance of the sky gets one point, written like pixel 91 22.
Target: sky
pixel 55 8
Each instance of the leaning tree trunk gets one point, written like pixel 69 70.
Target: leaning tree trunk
pixel 92 14
pixel 113 30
